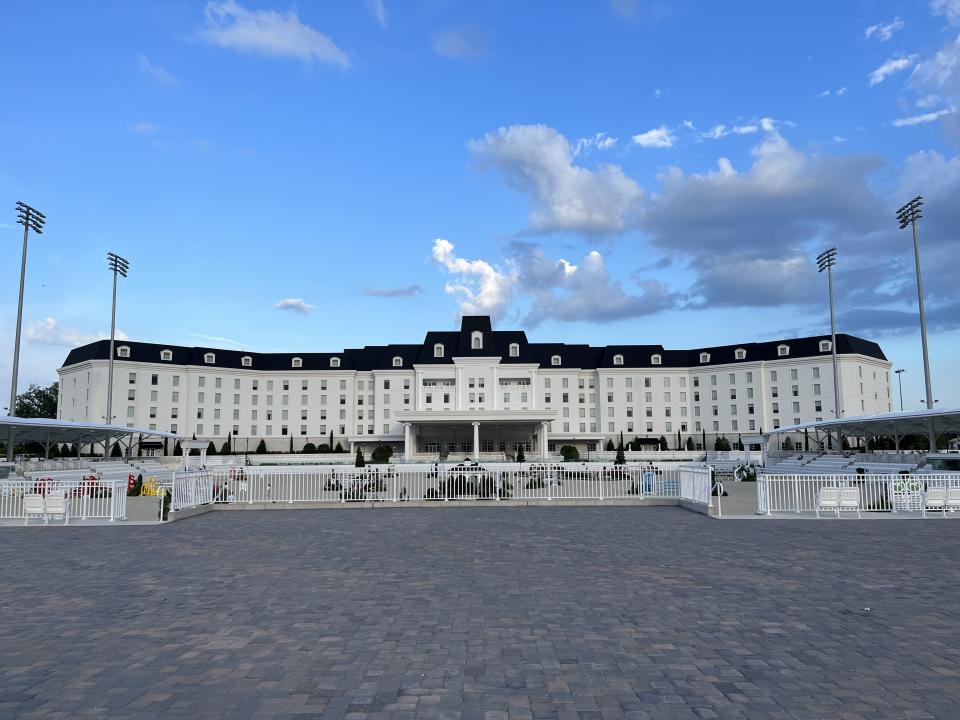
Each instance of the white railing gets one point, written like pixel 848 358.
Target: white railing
pixel 87 497
pixel 878 493
pixel 696 483
pixel 404 483
pixel 28 466
pixel 191 488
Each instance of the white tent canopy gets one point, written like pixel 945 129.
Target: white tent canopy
pixel 48 431
pixel 900 423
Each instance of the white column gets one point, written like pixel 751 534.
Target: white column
pixel 495 390
pixel 534 390
pixel 417 382
pixel 406 442
pixel 476 440
pixel 544 438
pixel 458 379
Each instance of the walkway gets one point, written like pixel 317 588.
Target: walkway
pixel 481 614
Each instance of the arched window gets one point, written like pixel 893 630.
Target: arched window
pixel 209 358
pixel 476 340
pixel 618 359
pixel 783 350
pixel 655 359
pixel 704 357
pixel 740 354
pixel 514 350
pixel 246 361
pixel 123 351
pixel 438 350
pixel 334 362
pixel 555 360
pixel 296 362
pixel 825 346
pixel 397 361
pixel 166 355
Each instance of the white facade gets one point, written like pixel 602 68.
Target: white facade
pixel 441 402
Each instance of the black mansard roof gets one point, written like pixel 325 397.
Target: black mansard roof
pixel 458 343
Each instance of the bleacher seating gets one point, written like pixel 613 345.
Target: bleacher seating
pixel 811 463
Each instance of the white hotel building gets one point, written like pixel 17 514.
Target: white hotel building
pixel 474 391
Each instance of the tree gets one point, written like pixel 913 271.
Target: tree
pixel 54 451
pixel 787 444
pixel 211 448
pixel 116 451
pixel 721 444
pixel 177 450
pixel 663 443
pixel 609 446
pixel 569 453
pixel 225 448
pixel 261 447
pixel 291 444
pixel 689 443
pixel 381 454
pixel 338 448
pixel 309 448
pixel 520 456
pixel 620 459
pixel 359 461
pixel 38 402
pixel 331 442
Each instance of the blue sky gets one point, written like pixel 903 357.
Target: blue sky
pixel 333 174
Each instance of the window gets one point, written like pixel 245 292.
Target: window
pixel 555 360
pixel 704 357
pixel 476 340
pixel 655 360
pixel 397 361
pixel 618 359
pixel 825 346
pixel 166 355
pixel 740 354
pixel 334 362
pixel 296 362
pixel 133 378
pixel 438 350
pixel 514 350
pixel 783 350
pixel 209 358
pixel 131 394
pixel 794 373
pixel 816 372
pixel 123 351
pixel 246 361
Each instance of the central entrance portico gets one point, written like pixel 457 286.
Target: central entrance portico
pixel 475 433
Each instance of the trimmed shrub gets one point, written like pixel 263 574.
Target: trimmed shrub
pixel 261 447
pixel 309 448
pixel 570 453
pixel 381 454
pixel 359 461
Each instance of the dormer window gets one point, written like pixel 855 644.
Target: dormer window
pixel 740 354
pixel 618 359
pixel 296 362
pixel 209 358
pixel 246 361
pixel 825 346
pixel 166 355
pixel 476 340
pixel 704 357
pixel 438 350
pixel 555 360
pixel 397 361
pixel 514 350
pixel 783 350
pixel 334 362
pixel 123 351
pixel 656 360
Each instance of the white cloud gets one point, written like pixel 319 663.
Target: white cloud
pixel 407 291
pixel 49 332
pixel 928 101
pixel 155 73
pixel 298 305
pixel 948 8
pixel 942 70
pixel 921 119
pixel 825 93
pixel 842 91
pixel 891 66
pixel 600 141
pixel 377 11
pixel 538 161
pixel 459 44
pixel 219 340
pixel 884 32
pixel 839 139
pixel 748 128
pixel 268 32
pixel 143 128
pixel 660 137
pixel 839 92
pixel 483 289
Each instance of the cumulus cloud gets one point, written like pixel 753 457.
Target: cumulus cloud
pixel 49 332
pixel 660 137
pixel 459 44
pixel 377 11
pixel 891 66
pixel 408 291
pixel 267 32
pixel 884 31
pixel 298 305
pixel 482 288
pixel 154 72
pixel 538 161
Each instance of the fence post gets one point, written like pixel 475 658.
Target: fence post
pixel 796 493
pixel 600 484
pixel 290 482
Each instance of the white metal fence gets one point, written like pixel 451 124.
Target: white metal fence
pixel 877 493
pixel 336 484
pixel 88 497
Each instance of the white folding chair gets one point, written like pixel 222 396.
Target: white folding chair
pixel 934 499
pixel 56 505
pixel 33 505
pixel 849 500
pixel 953 499
pixel 828 498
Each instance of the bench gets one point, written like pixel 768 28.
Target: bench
pixel 37 505
pixel 844 499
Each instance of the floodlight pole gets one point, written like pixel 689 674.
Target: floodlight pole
pixel 898 373
pixel 908 215
pixel 825 261
pixel 31 219
pixel 118 266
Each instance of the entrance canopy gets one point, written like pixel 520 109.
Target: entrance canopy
pixel 444 425
pixel 49 431
pixel 900 423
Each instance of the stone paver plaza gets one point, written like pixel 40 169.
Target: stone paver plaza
pixel 482 613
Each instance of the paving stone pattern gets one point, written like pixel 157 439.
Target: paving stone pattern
pixel 482 614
